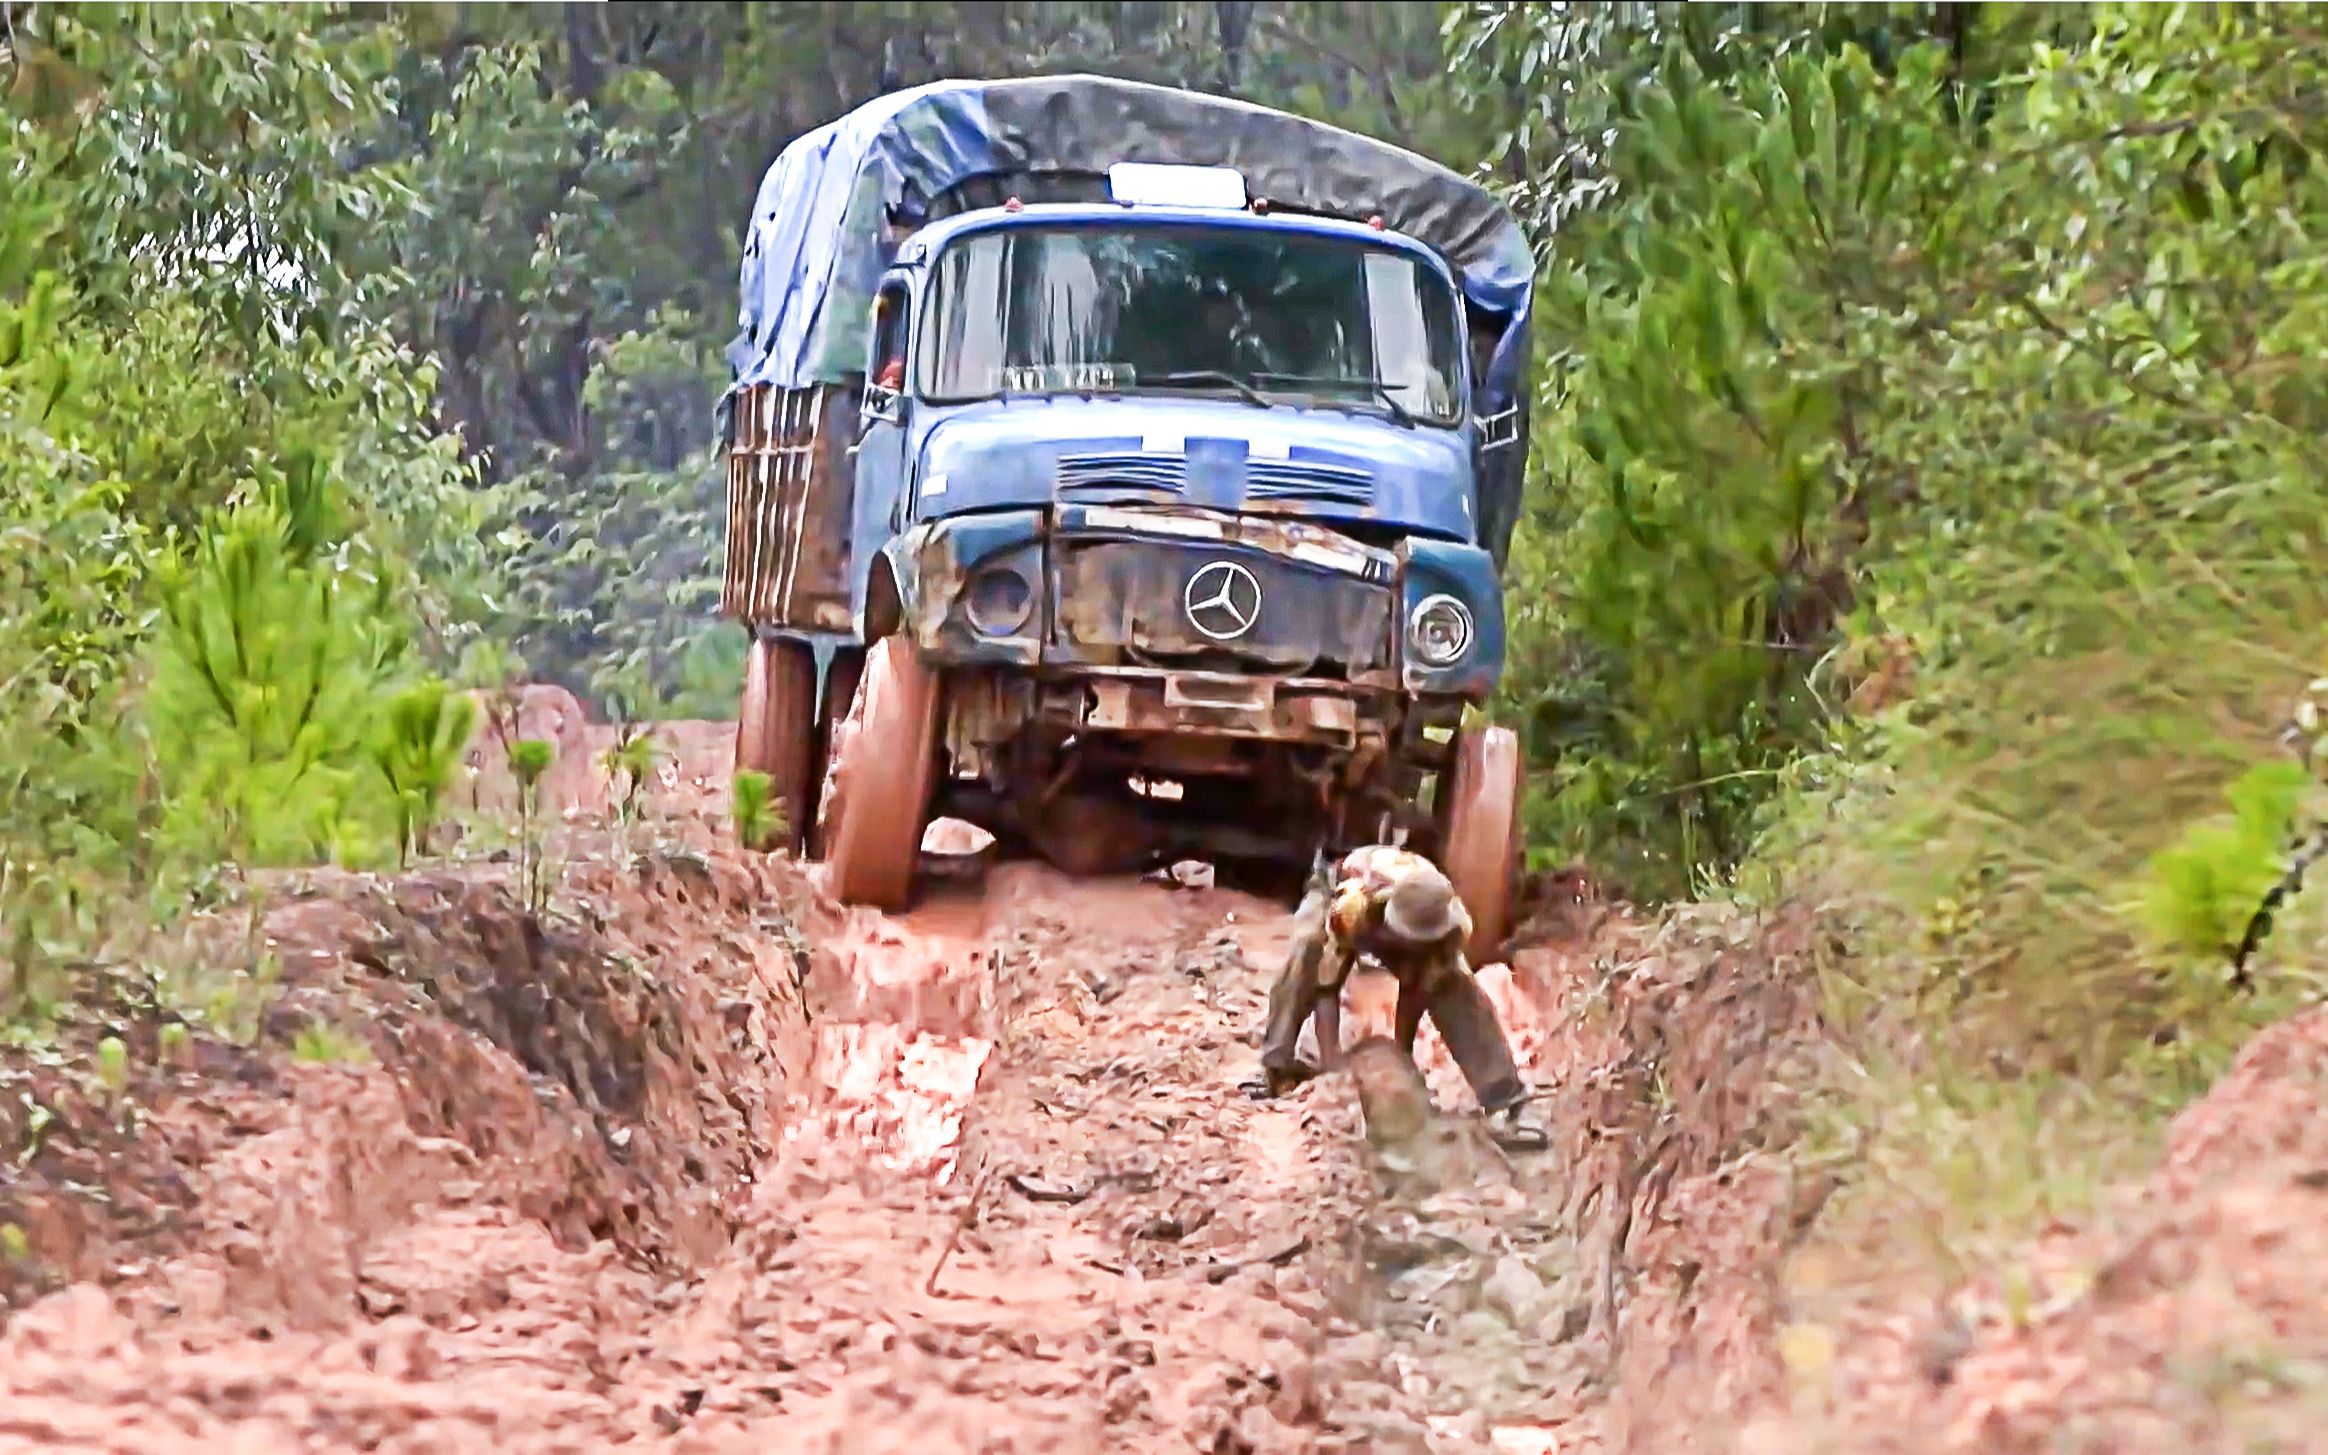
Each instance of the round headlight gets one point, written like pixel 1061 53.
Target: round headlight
pixel 1439 632
pixel 998 601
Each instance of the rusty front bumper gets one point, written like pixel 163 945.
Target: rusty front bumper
pixel 1139 701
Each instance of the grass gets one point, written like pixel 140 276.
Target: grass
pixel 327 1045
pixel 2016 1026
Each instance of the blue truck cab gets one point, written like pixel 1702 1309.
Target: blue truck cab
pixel 1138 511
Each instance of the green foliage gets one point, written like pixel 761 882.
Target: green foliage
pixel 418 751
pixel 269 674
pixel 529 759
pixel 1704 495
pixel 2098 499
pixel 326 1045
pixel 2204 887
pixel 753 810
pixel 1927 526
pixel 1820 378
pixel 211 364
pixel 709 670
pixel 633 760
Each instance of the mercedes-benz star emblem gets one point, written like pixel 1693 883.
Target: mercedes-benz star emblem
pixel 1222 600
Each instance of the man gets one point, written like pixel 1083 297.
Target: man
pixel 1397 909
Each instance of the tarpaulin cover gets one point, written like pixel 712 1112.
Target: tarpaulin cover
pixel 821 231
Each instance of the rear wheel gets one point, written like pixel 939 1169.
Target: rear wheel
pixel 884 769
pixel 776 729
pixel 840 693
pixel 1478 812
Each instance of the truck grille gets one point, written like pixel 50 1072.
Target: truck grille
pixel 1123 470
pixel 1308 480
pixel 1265 480
pixel 1123 602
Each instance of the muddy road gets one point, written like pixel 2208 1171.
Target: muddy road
pixel 696 1161
pixel 707 1164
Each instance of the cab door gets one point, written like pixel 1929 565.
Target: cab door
pixel 883 422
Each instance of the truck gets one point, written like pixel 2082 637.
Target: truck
pixel 1129 472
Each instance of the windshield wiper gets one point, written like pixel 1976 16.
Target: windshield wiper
pixel 1244 390
pixel 1376 387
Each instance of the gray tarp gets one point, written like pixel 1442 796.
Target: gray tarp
pixel 819 237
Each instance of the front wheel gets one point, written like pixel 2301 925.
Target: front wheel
pixel 883 771
pixel 1479 811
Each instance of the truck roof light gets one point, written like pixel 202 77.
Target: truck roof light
pixel 1375 222
pixel 1013 205
pixel 1175 185
pixel 1261 206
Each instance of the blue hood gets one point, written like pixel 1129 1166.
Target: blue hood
pixel 1319 464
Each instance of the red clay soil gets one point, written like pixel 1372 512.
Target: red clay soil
pixel 697 1161
pixel 2189 1317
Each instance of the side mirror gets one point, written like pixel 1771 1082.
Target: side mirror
pixel 879 404
pixel 1498 431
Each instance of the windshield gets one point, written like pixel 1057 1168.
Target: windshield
pixel 1242 312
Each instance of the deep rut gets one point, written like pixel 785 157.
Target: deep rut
pixel 1006 1196
pixel 1118 1252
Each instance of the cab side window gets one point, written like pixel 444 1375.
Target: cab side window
pixel 889 331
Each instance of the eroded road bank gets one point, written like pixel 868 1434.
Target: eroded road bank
pixel 705 1164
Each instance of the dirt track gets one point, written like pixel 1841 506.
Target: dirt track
pixel 699 1162
pixel 975 1178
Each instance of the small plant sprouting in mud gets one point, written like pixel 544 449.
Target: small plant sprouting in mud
pixel 495 672
pixel 37 1121
pixel 633 760
pixel 325 1045
pixel 15 1246
pixel 758 821
pixel 174 1043
pixel 113 1076
pixel 418 751
pixel 113 1065
pixel 529 759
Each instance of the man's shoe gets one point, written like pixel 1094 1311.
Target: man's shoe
pixel 1515 1131
pixel 1277 1080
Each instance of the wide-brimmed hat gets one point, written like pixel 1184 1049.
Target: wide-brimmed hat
pixel 1422 906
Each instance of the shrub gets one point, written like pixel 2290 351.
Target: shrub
pixel 269 675
pixel 753 810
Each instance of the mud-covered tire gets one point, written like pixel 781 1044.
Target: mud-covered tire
pixel 1479 833
pixel 883 769
pixel 776 730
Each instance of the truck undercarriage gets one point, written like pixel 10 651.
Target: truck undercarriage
pixel 1107 768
